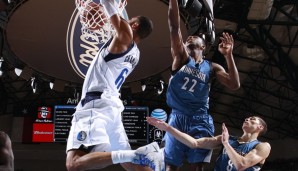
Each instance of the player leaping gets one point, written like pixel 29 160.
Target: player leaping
pixel 97 133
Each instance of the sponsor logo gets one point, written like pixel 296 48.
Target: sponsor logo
pixel 44 113
pixel 41 132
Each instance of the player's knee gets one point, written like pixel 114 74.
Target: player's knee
pixel 73 166
pixel 70 166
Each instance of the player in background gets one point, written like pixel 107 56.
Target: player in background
pixel 237 153
pixel 97 137
pixel 6 153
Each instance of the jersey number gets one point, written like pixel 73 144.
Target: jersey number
pixel 189 84
pixel 121 78
pixel 230 166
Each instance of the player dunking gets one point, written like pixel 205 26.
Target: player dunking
pixel 97 132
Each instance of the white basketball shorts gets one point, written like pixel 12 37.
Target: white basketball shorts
pixel 99 127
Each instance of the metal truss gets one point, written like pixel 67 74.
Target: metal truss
pixel 270 91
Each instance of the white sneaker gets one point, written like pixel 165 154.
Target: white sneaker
pixel 150 155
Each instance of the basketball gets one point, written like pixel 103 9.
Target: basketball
pixel 93 16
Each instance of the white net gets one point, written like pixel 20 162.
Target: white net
pixel 95 24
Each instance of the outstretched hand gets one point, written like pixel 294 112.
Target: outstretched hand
pixel 157 123
pixel 225 134
pixel 226 45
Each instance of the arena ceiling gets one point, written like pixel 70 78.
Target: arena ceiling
pixel 265 52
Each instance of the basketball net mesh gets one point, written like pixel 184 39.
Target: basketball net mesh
pixel 91 20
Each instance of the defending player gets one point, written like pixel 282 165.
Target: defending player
pixel 188 91
pixel 97 132
pixel 237 153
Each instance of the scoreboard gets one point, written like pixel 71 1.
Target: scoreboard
pixel 62 121
pixel 135 124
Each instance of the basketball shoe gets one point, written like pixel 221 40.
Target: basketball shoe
pixel 150 155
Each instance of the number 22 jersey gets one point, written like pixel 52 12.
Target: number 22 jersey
pixel 189 87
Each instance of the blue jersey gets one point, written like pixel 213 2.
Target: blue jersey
pixel 188 89
pixel 223 162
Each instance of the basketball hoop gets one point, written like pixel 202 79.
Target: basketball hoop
pixel 95 24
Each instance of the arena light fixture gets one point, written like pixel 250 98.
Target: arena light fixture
pixel 161 87
pixel 51 85
pixel 33 84
pixel 18 71
pixel 57 85
pixel 25 73
pixel 1 64
pixel 143 85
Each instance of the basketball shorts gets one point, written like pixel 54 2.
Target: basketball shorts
pixel 100 128
pixel 195 126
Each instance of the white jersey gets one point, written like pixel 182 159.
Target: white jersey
pixel 108 71
pixel 97 120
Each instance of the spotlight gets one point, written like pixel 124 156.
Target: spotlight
pixel 143 85
pixel 51 85
pixel 18 71
pixel 161 87
pixel 33 84
pixel 1 63
pixel 24 73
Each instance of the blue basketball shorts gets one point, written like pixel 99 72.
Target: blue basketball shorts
pixel 195 126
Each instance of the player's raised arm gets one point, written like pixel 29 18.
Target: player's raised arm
pixel 255 156
pixel 178 51
pixel 231 78
pixel 124 32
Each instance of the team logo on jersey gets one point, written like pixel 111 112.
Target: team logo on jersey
pixel 81 51
pixel 82 135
